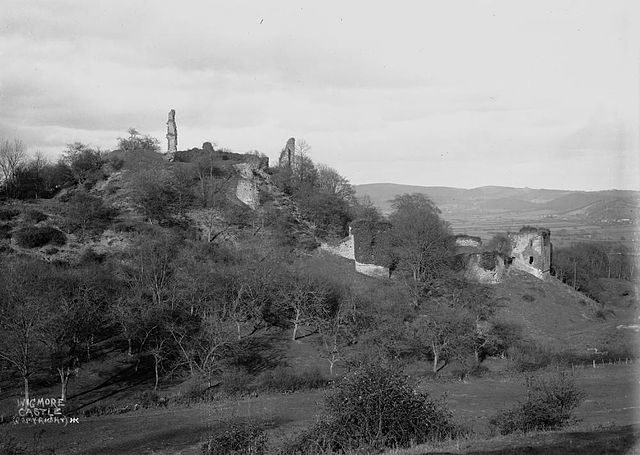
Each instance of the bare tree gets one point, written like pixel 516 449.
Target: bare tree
pixel 24 304
pixel 443 331
pixel 331 182
pixel 12 157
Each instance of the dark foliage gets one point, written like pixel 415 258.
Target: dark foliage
pixel 581 264
pixel 375 407
pixel 239 437
pixel 86 212
pixel 8 214
pixel 5 231
pixel 36 237
pixel 33 216
pixel 549 406
pixel 284 379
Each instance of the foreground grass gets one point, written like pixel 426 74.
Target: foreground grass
pixel 606 415
pixel 611 440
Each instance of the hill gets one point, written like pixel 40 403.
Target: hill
pixel 610 215
pixel 503 199
pixel 554 315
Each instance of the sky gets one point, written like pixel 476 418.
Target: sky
pixel 539 94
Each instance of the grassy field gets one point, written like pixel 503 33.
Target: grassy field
pixel 610 409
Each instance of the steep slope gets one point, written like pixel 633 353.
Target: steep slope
pixel 553 314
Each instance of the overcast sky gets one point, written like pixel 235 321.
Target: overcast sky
pixel 541 94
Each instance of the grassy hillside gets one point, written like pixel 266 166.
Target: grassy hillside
pixel 556 316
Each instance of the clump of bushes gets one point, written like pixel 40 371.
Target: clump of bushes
pixel 239 437
pixel 5 231
pixel 8 214
pixel 286 379
pixel 36 237
pixel 33 216
pixel 374 407
pixel 549 406
pixel 10 446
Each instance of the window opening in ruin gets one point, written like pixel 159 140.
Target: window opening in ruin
pixel 530 259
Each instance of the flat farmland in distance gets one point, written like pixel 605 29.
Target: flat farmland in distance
pixel 564 231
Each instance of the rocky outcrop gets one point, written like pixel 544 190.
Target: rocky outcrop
pixel 172 133
pixel 288 153
pixel 247 186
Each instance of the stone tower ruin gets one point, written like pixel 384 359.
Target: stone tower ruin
pixel 172 133
pixel 531 251
pixel 288 153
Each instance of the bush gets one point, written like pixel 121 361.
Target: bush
pixel 374 407
pixel 36 237
pixel 549 406
pixel 528 298
pixel 10 446
pixel 239 437
pixel 235 381
pixel 5 231
pixel 8 214
pixel 285 379
pixel 148 399
pixel 87 212
pixel 34 216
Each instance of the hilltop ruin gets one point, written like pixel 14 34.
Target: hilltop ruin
pixel 530 251
pixel 172 133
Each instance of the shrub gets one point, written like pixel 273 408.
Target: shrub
pixel 375 407
pixel 34 216
pixel 235 381
pixel 87 212
pixel 285 379
pixel 8 214
pixel 10 446
pixel 549 406
pixel 528 298
pixel 529 357
pixel 5 231
pixel 239 437
pixel 148 399
pixel 36 237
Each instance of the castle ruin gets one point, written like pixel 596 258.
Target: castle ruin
pixel 288 153
pixel 368 245
pixel 172 133
pixel 531 251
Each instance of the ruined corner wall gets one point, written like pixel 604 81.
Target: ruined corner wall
pixel 531 251
pixel 487 267
pixel 344 249
pixel 371 247
pixel 463 240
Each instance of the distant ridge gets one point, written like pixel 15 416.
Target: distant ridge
pixel 595 205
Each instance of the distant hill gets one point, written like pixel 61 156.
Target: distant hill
pixel 596 206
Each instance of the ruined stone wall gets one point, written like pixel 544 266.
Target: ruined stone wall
pixel 487 268
pixel 172 133
pixel 531 251
pixel 288 153
pixel 344 249
pixel 463 240
pixel 371 246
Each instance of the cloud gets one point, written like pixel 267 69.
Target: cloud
pixel 433 86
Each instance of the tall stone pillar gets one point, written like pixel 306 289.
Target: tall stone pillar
pixel 172 133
